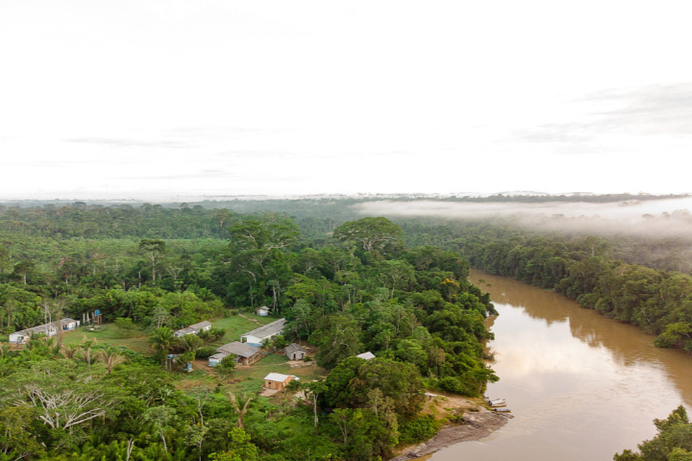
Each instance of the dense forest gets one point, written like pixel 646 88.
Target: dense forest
pixel 111 391
pixel 599 272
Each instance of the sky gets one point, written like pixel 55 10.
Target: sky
pixel 153 98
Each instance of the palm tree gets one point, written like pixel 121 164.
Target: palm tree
pixel 87 344
pixel 69 351
pixel 111 357
pixel 189 343
pixel 161 340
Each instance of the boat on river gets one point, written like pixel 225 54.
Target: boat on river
pixel 497 402
pixel 502 410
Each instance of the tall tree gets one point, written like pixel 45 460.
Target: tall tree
pixel 155 250
pixel 372 234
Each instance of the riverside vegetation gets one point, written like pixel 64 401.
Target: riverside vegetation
pixel 104 394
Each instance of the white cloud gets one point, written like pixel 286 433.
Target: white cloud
pixel 296 96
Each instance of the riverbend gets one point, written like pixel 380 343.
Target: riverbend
pixel 580 386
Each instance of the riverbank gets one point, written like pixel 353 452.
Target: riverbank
pixel 478 422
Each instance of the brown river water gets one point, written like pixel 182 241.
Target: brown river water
pixel 581 386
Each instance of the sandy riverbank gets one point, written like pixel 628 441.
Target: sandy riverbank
pixel 477 425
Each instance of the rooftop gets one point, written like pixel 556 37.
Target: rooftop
pixel 366 355
pixel 267 330
pixel 43 328
pixel 193 328
pixel 239 349
pixel 293 347
pixel 279 377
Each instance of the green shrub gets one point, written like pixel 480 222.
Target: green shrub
pixel 418 430
pixel 204 352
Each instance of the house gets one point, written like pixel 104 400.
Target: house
pixel 366 355
pixel 258 335
pixel 244 353
pixel 48 329
pixel 263 311
pixel 295 352
pixel 193 329
pixel 278 381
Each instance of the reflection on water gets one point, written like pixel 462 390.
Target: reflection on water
pixel 580 386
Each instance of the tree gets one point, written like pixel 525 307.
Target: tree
pixel 337 338
pixel 240 406
pixel 313 391
pixel 673 441
pixel 189 343
pixel 372 234
pixel 155 250
pixel 16 438
pixel 394 272
pixel 24 268
pixel 241 449
pixel 226 366
pixel 159 417
pixel 161 340
pixel 86 346
pixel 111 357
pixel 62 395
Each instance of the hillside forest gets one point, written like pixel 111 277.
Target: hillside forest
pixel 111 391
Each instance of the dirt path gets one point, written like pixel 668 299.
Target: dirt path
pixel 477 425
pixel 248 318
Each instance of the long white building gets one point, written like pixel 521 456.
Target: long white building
pixel 48 329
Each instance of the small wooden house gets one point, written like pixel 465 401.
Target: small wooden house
pixel 278 381
pixel 295 352
pixel 263 311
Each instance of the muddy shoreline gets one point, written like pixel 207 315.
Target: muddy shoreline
pixel 478 424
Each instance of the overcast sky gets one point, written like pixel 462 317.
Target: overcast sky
pixel 114 99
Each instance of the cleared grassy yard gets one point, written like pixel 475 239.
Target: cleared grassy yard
pixel 112 335
pixel 237 325
pixel 250 379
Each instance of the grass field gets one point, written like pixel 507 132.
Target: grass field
pixel 250 379
pixel 237 325
pixel 111 335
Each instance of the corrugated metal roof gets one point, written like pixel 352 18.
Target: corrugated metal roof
pixel 279 377
pixel 267 330
pixel 43 328
pixel 291 348
pixel 366 355
pixel 239 349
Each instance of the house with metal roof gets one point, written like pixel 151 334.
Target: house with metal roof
pixel 278 381
pixel 295 352
pixel 263 311
pixel 48 329
pixel 245 354
pixel 193 329
pixel 258 335
pixel 366 355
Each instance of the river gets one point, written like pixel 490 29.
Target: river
pixel 581 386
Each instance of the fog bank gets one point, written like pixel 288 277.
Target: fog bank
pixel 664 218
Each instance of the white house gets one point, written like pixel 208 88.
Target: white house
pixel 256 336
pixel 366 355
pixel 193 329
pixel 263 311
pixel 48 329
